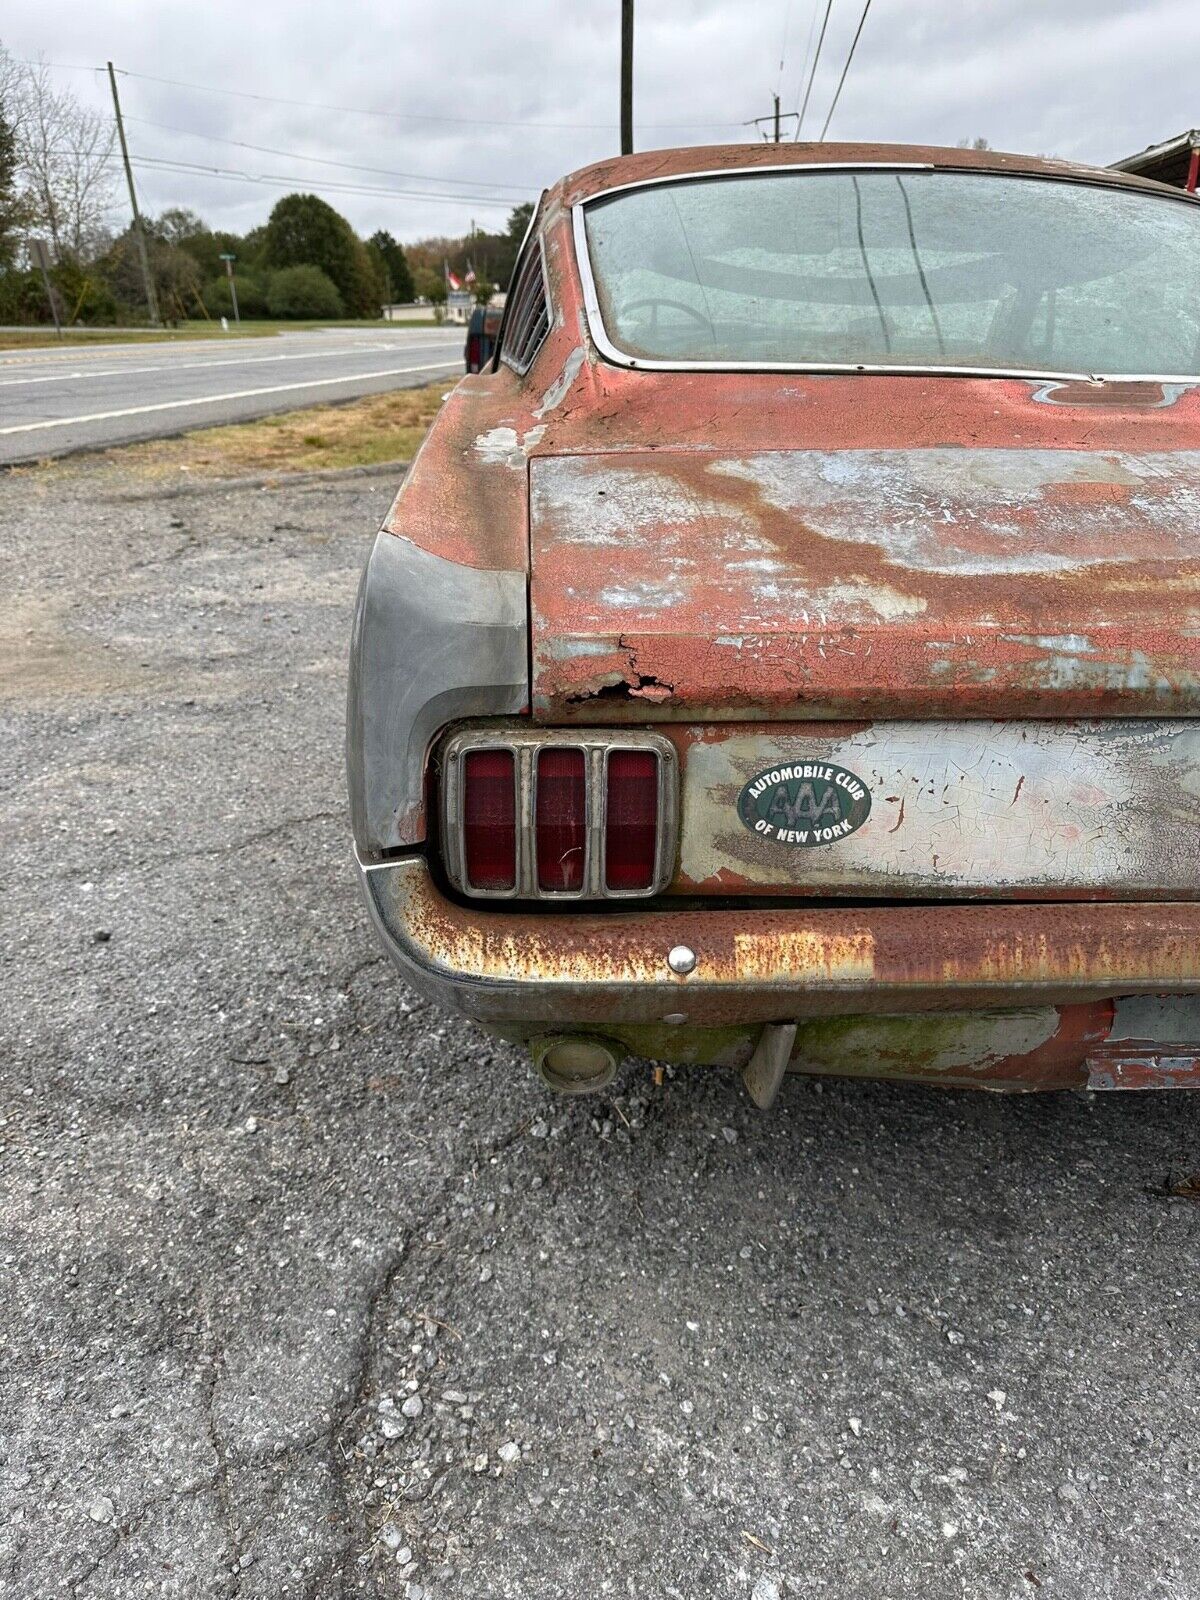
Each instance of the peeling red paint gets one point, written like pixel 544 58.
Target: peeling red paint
pixel 800 583
pixel 728 553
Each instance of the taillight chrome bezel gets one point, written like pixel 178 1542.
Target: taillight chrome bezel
pixel 524 744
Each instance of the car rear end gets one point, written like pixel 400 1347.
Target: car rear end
pixel 859 728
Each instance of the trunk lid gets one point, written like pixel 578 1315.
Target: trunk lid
pixel 702 582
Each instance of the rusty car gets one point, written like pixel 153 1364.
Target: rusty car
pixel 786 654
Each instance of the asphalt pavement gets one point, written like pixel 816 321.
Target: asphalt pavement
pixel 54 401
pixel 312 1291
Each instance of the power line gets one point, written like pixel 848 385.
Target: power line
pixel 813 70
pixel 787 23
pixel 366 111
pixel 808 41
pixel 292 180
pixel 169 164
pixel 324 161
pixel 837 92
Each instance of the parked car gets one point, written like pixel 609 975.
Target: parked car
pixel 787 652
pixel 482 330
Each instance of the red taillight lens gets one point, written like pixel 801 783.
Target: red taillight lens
pixel 561 819
pixel 490 819
pixel 631 822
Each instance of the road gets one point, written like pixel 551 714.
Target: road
pixel 53 402
pixel 312 1292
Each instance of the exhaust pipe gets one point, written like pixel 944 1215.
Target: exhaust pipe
pixel 575 1063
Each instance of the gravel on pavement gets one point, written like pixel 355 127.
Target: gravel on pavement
pixel 312 1291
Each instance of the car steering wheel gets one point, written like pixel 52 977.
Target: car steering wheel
pixel 675 305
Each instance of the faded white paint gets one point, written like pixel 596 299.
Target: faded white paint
pixel 605 503
pixel 861 594
pixel 503 447
pixel 555 393
pixel 965 510
pixel 960 806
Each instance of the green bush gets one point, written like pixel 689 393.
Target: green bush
pixel 302 292
pixel 84 297
pixel 251 293
pixel 303 230
pixel 82 294
pixel 22 297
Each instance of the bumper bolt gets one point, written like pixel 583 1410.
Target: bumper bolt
pixel 682 960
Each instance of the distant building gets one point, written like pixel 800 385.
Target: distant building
pixel 1176 162
pixel 459 305
pixel 414 311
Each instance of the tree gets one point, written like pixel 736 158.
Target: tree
pixel 303 291
pixel 176 275
pixel 304 231
pixel 11 208
pixel 251 293
pixel 395 265
pixel 178 225
pixel 429 284
pixel 519 219
pixel 64 163
pixel 206 249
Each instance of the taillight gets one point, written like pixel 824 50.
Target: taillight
pixel 631 820
pixel 490 819
pixel 560 819
pixel 572 813
pixel 474 352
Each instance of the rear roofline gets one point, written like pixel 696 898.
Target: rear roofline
pixel 662 165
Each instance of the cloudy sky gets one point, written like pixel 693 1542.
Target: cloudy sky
pixel 376 104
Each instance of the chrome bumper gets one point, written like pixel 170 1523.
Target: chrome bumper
pixel 586 969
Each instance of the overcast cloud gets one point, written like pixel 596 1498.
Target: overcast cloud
pixel 1088 79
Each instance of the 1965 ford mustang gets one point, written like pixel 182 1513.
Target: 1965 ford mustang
pixel 787 653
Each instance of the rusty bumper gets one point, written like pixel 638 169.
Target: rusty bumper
pixel 592 968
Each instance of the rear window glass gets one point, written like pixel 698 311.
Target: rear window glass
pixel 926 269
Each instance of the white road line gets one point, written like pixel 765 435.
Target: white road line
pixel 193 366
pixel 216 399
pixel 244 349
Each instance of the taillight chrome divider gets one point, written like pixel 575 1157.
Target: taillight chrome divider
pixel 524 744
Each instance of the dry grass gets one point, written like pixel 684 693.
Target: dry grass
pixel 379 428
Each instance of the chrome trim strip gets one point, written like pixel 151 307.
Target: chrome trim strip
pixel 768 171
pixel 512 365
pixel 621 358
pixel 524 745
pixel 535 218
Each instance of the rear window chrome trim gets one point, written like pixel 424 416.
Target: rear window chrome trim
pixel 617 357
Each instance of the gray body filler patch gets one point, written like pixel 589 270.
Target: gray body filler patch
pixel 433 642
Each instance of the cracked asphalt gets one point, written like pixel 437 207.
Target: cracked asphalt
pixel 311 1291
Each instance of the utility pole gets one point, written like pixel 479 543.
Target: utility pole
pixel 139 231
pixel 626 77
pixel 776 120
